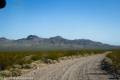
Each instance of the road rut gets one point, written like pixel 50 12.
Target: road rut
pixel 83 68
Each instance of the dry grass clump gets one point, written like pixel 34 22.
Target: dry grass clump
pixel 9 59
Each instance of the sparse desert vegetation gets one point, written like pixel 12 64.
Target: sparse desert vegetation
pixel 7 59
pixel 111 63
pixel 115 57
pixel 21 59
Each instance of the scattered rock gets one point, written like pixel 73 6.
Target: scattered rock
pixel 55 61
pixel 107 60
pixel 26 66
pixel 16 72
pixel 38 62
pixel 17 66
pixel 34 65
pixel 48 61
pixel 6 73
pixel 106 65
pixel 27 58
pixel 63 58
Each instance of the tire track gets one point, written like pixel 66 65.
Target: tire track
pixel 83 68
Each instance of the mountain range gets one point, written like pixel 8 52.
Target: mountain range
pixel 33 42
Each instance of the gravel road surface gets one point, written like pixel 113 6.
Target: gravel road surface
pixel 82 68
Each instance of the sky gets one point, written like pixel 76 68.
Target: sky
pixel 98 20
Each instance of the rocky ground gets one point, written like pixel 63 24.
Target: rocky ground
pixel 80 68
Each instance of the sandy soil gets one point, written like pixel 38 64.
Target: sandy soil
pixel 83 68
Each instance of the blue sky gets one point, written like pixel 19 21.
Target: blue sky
pixel 98 20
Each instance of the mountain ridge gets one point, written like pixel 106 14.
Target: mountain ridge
pixel 33 42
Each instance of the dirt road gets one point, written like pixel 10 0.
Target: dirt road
pixel 83 68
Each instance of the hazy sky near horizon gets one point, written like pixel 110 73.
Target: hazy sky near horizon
pixel 98 20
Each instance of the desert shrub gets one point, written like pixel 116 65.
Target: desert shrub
pixel 115 57
pixel 8 59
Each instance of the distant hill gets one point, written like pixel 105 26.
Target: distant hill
pixel 33 42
